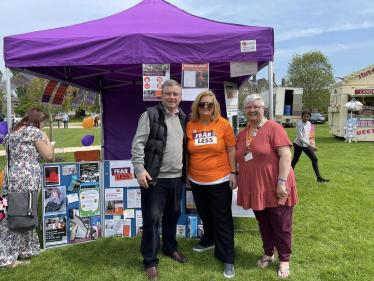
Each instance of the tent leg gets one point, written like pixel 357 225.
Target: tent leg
pixel 8 99
pixel 271 102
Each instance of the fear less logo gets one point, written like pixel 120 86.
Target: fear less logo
pixel 122 174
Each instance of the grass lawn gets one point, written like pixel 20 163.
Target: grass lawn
pixel 332 232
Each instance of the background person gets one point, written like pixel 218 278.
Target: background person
pixel 302 144
pixel 58 119
pixel 65 118
pixel 27 145
pixel 264 157
pixel 212 174
pixel 158 156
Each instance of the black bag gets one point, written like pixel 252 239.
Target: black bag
pixel 23 211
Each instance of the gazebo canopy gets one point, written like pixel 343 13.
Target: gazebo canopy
pixel 105 56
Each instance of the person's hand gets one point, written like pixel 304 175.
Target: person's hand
pixel 233 181
pixel 281 189
pixel 314 148
pixel 142 179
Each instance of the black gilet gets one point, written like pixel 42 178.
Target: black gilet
pixel 155 146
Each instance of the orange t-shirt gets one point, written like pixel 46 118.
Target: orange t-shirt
pixel 206 144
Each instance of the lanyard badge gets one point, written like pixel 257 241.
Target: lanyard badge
pixel 248 155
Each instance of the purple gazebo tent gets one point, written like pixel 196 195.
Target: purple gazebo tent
pixel 105 56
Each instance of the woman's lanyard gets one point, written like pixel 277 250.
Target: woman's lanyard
pixel 248 155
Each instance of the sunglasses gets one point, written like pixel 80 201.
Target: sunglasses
pixel 203 104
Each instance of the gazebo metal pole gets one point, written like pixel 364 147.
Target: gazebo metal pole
pixel 271 103
pixel 9 99
pixel 101 119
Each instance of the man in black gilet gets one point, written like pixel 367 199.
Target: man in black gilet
pixel 158 157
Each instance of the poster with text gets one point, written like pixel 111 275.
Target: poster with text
pixel 231 98
pixel 126 228
pixel 243 68
pixel 195 79
pixel 89 172
pixel 89 202
pixel 139 223
pixel 69 170
pixel 122 174
pixel 154 76
pixel 55 231
pixel 133 198
pixel 114 201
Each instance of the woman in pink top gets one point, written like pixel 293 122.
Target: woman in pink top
pixel 267 182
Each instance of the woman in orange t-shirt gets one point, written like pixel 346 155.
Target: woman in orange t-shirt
pixel 212 173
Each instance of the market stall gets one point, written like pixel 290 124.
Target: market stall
pixel 357 86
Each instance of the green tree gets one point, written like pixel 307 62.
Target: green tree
pixel 313 72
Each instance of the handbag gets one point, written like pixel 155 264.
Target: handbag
pixel 22 208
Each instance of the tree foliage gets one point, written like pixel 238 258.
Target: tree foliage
pixel 313 72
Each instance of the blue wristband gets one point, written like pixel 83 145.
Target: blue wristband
pixel 281 180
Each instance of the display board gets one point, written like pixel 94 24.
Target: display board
pixel 89 200
pixel 71 203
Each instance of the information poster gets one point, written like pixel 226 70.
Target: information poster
pixel 243 68
pixel 89 200
pixel 139 223
pixel 154 76
pixel 195 79
pixel 89 172
pixel 52 175
pixel 126 228
pixel 133 198
pixel 231 98
pixel 114 201
pixel 122 174
pixel 55 231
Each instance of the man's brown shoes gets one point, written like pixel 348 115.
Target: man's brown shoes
pixel 152 273
pixel 179 257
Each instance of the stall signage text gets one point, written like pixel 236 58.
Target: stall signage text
pixel 364 92
pixel 369 72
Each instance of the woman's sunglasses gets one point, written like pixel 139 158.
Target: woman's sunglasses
pixel 208 104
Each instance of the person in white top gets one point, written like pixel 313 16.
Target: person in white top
pixel 302 144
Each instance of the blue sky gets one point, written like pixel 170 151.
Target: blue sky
pixel 342 30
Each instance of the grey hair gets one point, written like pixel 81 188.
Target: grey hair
pixel 171 82
pixel 252 98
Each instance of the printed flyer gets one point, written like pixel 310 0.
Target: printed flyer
pixel 195 79
pixel 89 200
pixel 80 229
pixel 89 172
pixel 154 76
pixel 231 98
pixel 55 233
pixel 133 198
pixel 55 200
pixel 122 174
pixel 114 201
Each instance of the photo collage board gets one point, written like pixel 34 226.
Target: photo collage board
pixel 89 200
pixel 71 203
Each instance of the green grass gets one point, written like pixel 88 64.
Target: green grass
pixel 332 232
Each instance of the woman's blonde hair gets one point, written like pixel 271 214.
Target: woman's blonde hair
pixel 195 116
